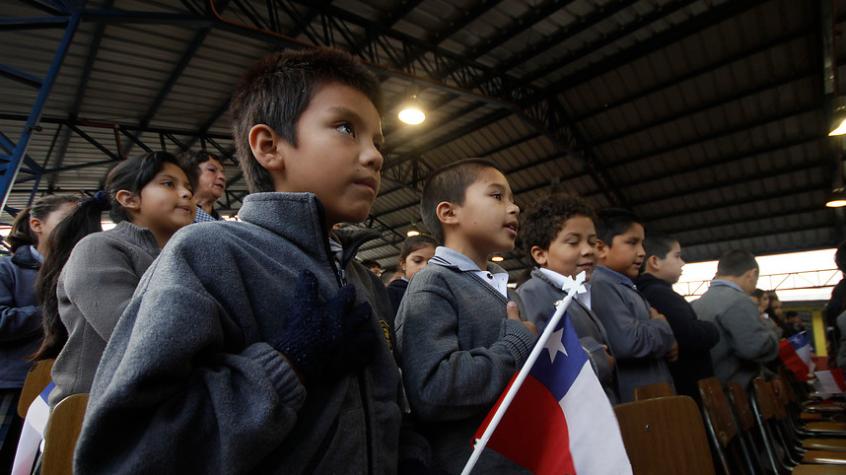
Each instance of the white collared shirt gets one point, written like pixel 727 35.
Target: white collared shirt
pixel 451 257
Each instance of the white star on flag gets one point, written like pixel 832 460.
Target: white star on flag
pixel 578 282
pixel 555 344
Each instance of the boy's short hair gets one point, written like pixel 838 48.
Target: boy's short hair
pixel 449 183
pixel 614 222
pixel 658 245
pixel 736 262
pixel 191 162
pixel 370 263
pixel 840 256
pixel 415 243
pixel 542 220
pixel 276 91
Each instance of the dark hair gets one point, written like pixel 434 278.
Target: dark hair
pixel 543 220
pixel 613 222
pixel 758 293
pixel 370 263
pixel 840 256
pixel 736 263
pixel 190 162
pixel 131 174
pixel 415 243
pixel 276 91
pixel 658 245
pixel 449 183
pixel 21 234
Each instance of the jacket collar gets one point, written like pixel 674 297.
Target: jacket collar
pixel 137 235
pixel 25 258
pixel 646 279
pixel 453 259
pixel 614 275
pixel 726 283
pixel 297 217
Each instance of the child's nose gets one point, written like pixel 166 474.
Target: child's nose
pixel 372 158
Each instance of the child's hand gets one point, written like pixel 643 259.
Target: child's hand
pixel 317 333
pixel 611 360
pixel 673 355
pixel 513 313
pixel 656 315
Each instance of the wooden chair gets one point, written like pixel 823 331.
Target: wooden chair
pixel 782 445
pixel 61 435
pixel 36 380
pixel 651 391
pixel 665 436
pixel 730 446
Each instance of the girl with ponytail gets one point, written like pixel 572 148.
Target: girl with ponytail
pixel 90 275
pixel 20 317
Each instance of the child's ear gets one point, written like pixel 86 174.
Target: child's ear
pixel 36 225
pixel 447 212
pixel 652 262
pixel 128 200
pixel 601 249
pixel 539 255
pixel 267 146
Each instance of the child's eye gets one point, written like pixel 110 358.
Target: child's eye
pixel 497 196
pixel 169 184
pixel 346 128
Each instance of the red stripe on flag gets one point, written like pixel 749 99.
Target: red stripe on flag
pixel 837 374
pixel 787 355
pixel 533 433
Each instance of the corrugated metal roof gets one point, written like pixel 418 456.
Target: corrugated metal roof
pixel 706 115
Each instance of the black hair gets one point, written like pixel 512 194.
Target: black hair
pixel 415 243
pixel 276 91
pixel 543 220
pixel 131 174
pixel 658 245
pixel 21 234
pixel 613 222
pixel 449 183
pixel 191 161
pixel 840 257
pixel 370 263
pixel 736 263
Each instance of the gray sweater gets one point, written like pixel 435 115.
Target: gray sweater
pixel 20 316
pixel 639 343
pixel 93 290
pixel 538 297
pixel 458 352
pixel 745 341
pixel 189 384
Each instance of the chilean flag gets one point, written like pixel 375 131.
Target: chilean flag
pixel 830 381
pixel 560 421
pixel 795 353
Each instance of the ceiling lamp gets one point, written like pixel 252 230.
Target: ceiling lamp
pixel 497 258
pixel 413 231
pixel 837 199
pixel 838 118
pixel 411 113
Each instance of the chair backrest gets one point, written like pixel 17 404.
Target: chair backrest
pixel 717 410
pixel 741 407
pixel 62 432
pixel 36 380
pixel 652 391
pixel 764 398
pixel 665 436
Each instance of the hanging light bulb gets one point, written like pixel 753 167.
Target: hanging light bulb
pixel 837 199
pixel 838 118
pixel 497 258
pixel 411 113
pixel 413 231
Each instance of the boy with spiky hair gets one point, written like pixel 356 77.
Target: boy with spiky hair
pixel 640 337
pixel 460 337
pixel 251 347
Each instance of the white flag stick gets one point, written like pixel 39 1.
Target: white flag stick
pixel 573 287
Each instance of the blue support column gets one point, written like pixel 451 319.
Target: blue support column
pixel 10 163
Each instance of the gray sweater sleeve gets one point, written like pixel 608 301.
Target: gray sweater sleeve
pixel 629 336
pixel 444 381
pixel 168 374
pixel 99 281
pixel 749 337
